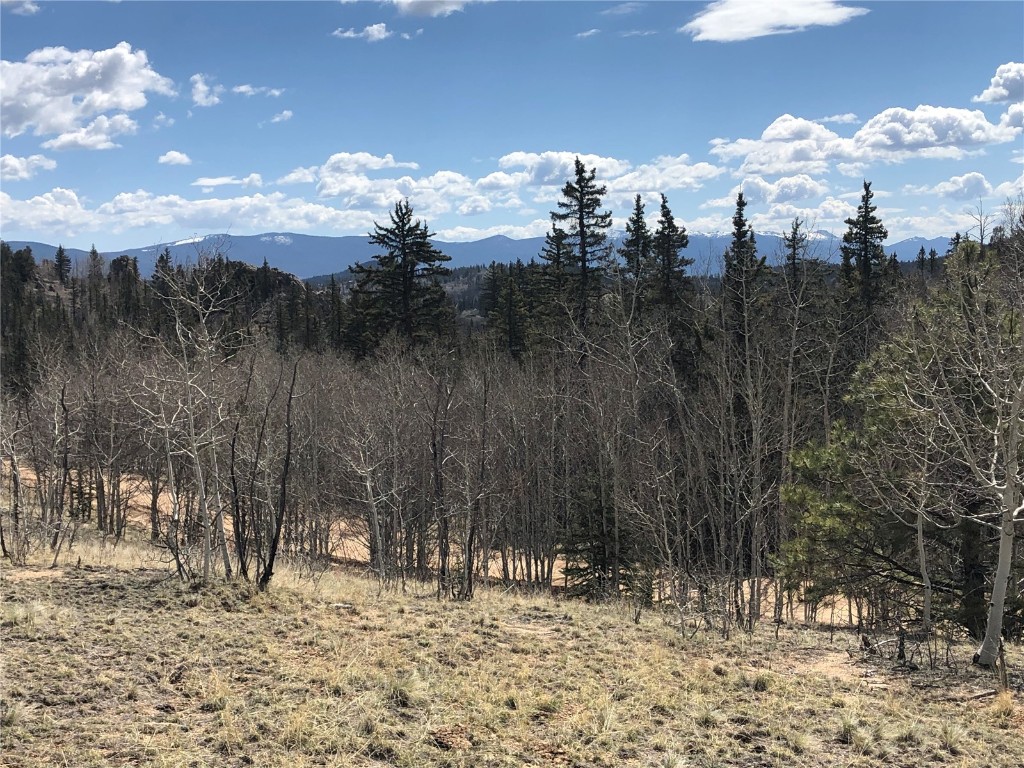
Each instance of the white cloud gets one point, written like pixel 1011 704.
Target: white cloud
pixel 843 119
pixel 162 121
pixel 792 145
pixel 58 211
pixel 970 186
pixel 300 176
pixel 341 165
pixel 21 7
pixel 373 33
pixel 261 90
pixel 1007 84
pixel 203 93
pixel 411 35
pixel 902 131
pixel 55 91
pixel 622 9
pixel 536 228
pixel 499 181
pixel 21 168
pixel 546 168
pixel 726 21
pixel 474 206
pixel 96 135
pixel 281 117
pixel 663 174
pixel 208 182
pixel 787 189
pixel 588 33
pixel 638 33
pixel 430 7
pixel 1010 188
pixel 1013 117
pixel 173 157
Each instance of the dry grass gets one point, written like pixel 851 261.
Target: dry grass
pixel 115 663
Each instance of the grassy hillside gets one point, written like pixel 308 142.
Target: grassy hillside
pixel 115 663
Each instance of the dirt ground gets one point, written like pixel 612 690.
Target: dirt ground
pixel 107 665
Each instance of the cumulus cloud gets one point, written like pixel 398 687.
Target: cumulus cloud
pixel 58 211
pixel 1007 84
pixel 926 128
pixel 373 33
pixel 21 168
pixel 546 168
pixel 970 186
pixel 300 176
pixel 787 189
pixel 281 117
pixel 1013 117
pixel 173 157
pixel 342 165
pixel 55 90
pixel 792 145
pixel 475 205
pixel 725 21
pixel 62 213
pixel 204 94
pixel 96 135
pixel 661 175
pixel 1010 188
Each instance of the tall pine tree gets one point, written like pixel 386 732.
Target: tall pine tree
pixel 587 235
pixel 401 292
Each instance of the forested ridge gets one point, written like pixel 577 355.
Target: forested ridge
pixel 807 426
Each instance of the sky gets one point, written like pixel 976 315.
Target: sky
pixel 127 124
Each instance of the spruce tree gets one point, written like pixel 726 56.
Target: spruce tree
pixel 636 247
pixel 743 270
pixel 62 265
pixel 401 291
pixel 587 235
pixel 554 279
pixel 795 243
pixel 668 283
pixel 864 259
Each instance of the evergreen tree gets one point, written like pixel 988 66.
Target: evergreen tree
pixel 62 265
pixel 401 290
pixel 933 262
pixel 864 259
pixel 795 243
pixel 922 262
pixel 669 283
pixel 743 270
pixel 336 321
pixel 637 246
pixel 508 318
pixel 587 236
pixel 554 279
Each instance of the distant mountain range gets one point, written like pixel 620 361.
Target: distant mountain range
pixel 308 256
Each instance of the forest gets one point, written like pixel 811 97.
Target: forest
pixel 804 428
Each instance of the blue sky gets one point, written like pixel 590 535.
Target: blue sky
pixel 125 124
